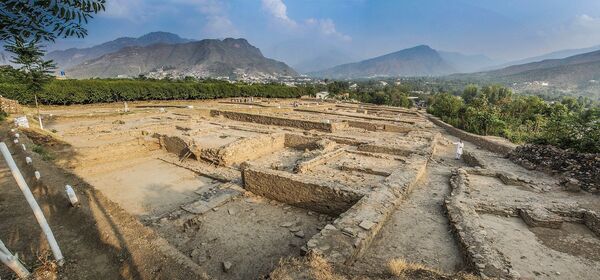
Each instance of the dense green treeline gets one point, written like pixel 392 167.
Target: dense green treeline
pixel 494 110
pixel 371 92
pixel 64 92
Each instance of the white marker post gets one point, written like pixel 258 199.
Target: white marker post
pixel 39 215
pixel 12 262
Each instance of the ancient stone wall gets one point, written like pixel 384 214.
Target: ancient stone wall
pixel 296 190
pixel 270 120
pixel 350 235
pixel 320 160
pixel 10 106
pixel 249 149
pixel 173 144
pixel 503 147
pixel 581 170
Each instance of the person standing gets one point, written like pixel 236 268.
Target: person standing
pixel 459 148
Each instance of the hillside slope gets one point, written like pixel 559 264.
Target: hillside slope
pixel 206 58
pixel 417 61
pixel 70 57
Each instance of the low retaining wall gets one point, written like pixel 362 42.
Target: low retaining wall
pixel 270 120
pixel 355 116
pixel 503 148
pixel 306 166
pixel 244 149
pixel 296 190
pixel 373 148
pixel 351 234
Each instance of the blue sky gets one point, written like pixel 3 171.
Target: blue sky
pixel 295 30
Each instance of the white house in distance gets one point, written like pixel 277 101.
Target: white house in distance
pixel 322 95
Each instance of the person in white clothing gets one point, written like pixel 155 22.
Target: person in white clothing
pixel 459 148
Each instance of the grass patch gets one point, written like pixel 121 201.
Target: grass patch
pixel 40 150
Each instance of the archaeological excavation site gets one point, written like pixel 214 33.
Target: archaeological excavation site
pixel 251 188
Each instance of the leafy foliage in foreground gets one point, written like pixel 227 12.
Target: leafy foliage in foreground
pixel 66 92
pixel 46 20
pixel 494 110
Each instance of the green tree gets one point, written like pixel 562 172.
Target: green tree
pixel 46 19
pixel 34 70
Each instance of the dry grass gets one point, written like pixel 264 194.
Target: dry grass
pixel 402 269
pixel 399 267
pixel 313 267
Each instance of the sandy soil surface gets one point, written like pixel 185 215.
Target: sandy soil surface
pixel 250 232
pixel 571 252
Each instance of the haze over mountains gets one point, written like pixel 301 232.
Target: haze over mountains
pixel 417 61
pixel 163 54
pixel 574 74
pixel 70 57
pixel 206 58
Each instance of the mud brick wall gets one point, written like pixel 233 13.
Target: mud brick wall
pixel 503 148
pixel 10 106
pixel 269 120
pixel 299 191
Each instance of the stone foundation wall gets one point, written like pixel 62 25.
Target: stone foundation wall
pixel 10 106
pixel 351 234
pixel 292 189
pixel 173 144
pixel 592 221
pixel 269 120
pixel 248 149
pixel 503 147
pixel 373 148
pixel 320 160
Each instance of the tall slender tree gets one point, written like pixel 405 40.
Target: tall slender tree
pixel 24 24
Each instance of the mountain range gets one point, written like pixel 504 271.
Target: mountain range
pixel 206 58
pixel 417 61
pixel 552 55
pixel 68 58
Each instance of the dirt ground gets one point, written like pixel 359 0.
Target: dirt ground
pixel 149 213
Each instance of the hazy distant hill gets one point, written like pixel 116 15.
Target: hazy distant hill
pixel 205 58
pixel 322 61
pixel 417 61
pixel 71 57
pixel 467 63
pixel 553 55
pixel 574 75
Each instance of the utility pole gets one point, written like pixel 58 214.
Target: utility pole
pixel 38 112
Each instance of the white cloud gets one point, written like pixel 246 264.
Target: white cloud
pixel 278 10
pixel 587 22
pixel 326 27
